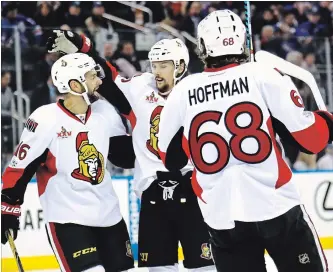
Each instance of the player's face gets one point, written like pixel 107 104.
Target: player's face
pixel 163 72
pixel 93 81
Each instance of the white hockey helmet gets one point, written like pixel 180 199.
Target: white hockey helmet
pixel 170 49
pixel 73 67
pixel 221 33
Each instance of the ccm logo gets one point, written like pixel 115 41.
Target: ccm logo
pixel 84 251
pixel 10 210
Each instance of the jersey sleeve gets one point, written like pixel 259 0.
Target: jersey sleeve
pixel 121 150
pixel 171 130
pixel 114 122
pixel 310 131
pixel 30 153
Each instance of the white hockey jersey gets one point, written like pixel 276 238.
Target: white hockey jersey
pixel 73 183
pixel 146 104
pixel 230 117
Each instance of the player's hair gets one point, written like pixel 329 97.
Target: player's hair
pixel 220 61
pixel 184 71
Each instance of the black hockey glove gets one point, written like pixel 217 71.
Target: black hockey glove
pixel 10 214
pixel 68 42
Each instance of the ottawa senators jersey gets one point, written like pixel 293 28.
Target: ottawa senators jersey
pixel 147 105
pixel 232 119
pixel 69 157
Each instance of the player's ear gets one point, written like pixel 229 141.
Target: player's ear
pixel 181 68
pixel 75 86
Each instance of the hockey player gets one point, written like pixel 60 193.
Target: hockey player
pixel 169 209
pixel 232 116
pixel 67 145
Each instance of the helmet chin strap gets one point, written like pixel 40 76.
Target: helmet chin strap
pixel 84 94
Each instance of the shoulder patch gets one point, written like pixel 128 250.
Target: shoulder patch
pixel 31 125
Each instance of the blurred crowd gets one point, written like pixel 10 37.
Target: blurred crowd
pixel 291 30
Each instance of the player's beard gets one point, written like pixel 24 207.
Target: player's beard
pixel 163 89
pixel 93 97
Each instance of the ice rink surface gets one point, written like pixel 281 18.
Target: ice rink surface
pixel 269 264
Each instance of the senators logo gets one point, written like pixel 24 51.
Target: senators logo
pixel 205 252
pixel 129 249
pixel 154 125
pixel 91 162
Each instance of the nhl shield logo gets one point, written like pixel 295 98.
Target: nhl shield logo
pixel 304 258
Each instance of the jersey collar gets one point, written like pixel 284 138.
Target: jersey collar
pixel 61 105
pixel 221 68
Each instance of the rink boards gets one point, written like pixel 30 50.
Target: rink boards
pixel 316 190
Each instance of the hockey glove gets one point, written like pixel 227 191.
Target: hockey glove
pixel 329 120
pixel 68 42
pixel 10 214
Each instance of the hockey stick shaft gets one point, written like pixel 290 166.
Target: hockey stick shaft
pixel 14 251
pixel 249 42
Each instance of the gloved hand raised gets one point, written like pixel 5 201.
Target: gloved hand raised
pixel 68 42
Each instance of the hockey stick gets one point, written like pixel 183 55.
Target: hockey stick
pixel 294 71
pixel 14 251
pixel 249 43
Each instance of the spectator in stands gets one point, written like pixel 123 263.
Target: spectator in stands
pixel 75 17
pixel 288 24
pixel 271 43
pixel 44 93
pixel 210 8
pixel 30 32
pixel 305 162
pixel 6 93
pixel 313 27
pixel 6 120
pixel 43 67
pixel 309 64
pixel 326 14
pixel 326 162
pixel 100 29
pixel 174 15
pixel 266 18
pixel 277 11
pixel 158 10
pixel 295 57
pixel 46 18
pixel 126 60
pixel 299 10
pixel 192 19
pixel 108 52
